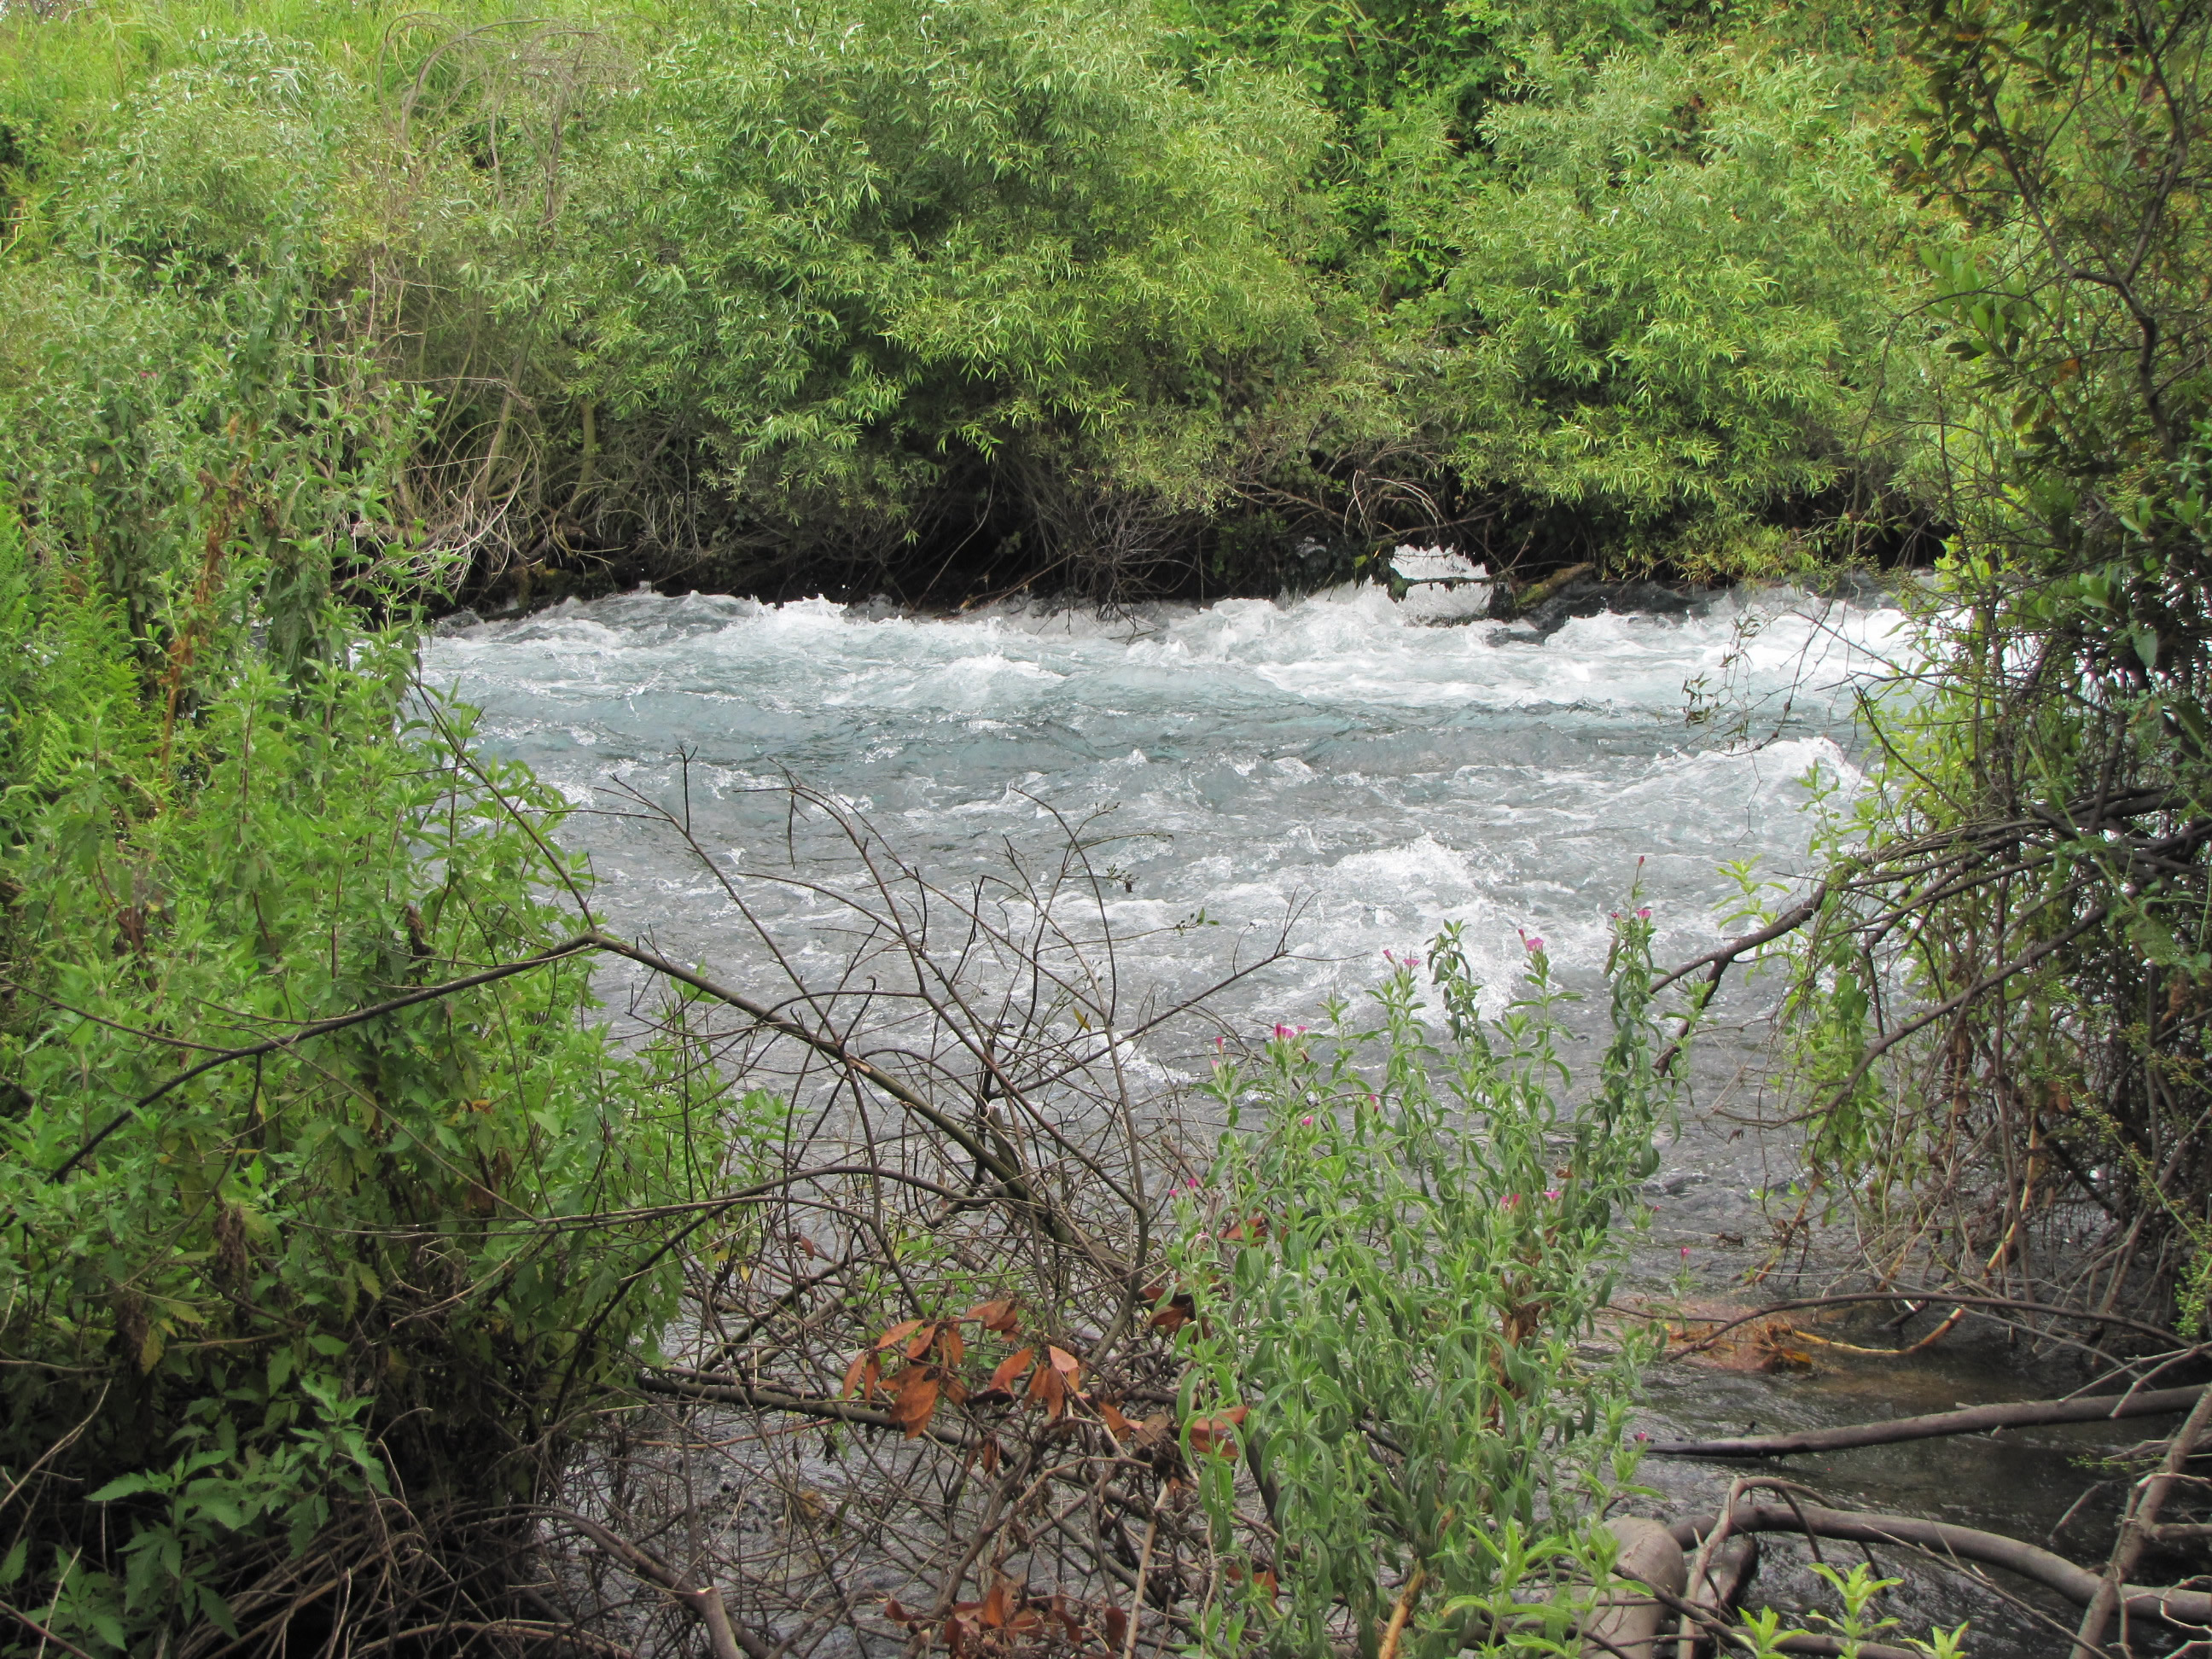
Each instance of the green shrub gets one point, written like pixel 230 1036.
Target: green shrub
pixel 1669 308
pixel 1394 1274
pixel 879 246
pixel 362 1263
pixel 2000 1000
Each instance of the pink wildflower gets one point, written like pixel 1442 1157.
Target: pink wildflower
pixel 1308 1122
pixel 1643 914
pixel 1533 946
pixel 1550 1192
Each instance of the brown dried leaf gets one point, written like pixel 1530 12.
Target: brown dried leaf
pixel 1012 1367
pixel 1177 1312
pixel 1048 1389
pixel 1218 1433
pixel 891 1337
pixel 852 1371
pixel 994 1315
pixel 916 1401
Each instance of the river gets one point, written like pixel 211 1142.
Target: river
pixel 1337 762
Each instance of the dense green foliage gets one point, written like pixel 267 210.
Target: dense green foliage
pixel 1666 308
pixel 959 294
pixel 881 248
pixel 2031 868
pixel 1395 1271
pixel 246 1297
pixel 312 315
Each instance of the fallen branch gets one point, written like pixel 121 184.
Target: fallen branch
pixel 1536 593
pixel 2054 1572
pixel 726 1640
pixel 2135 1528
pixel 1978 1419
pixel 2011 1305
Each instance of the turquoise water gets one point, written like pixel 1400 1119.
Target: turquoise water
pixel 1334 766
pixel 1334 756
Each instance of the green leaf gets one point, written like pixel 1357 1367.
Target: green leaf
pixel 126 1485
pixel 216 1611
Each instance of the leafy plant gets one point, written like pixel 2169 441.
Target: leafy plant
pixel 877 245
pixel 2004 971
pixel 1669 303
pixel 1393 1277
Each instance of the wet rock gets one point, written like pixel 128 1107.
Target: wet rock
pixel 1584 596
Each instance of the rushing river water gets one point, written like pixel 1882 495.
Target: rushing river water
pixel 1389 776
pixel 1332 760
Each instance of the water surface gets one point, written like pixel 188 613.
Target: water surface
pixel 1336 762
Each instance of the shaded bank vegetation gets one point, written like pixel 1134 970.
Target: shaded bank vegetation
pixel 939 300
pixel 369 1285
pixel 2002 997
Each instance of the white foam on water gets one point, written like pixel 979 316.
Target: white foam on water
pixel 1337 753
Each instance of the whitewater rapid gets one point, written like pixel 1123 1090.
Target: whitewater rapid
pixel 1337 759
pixel 1334 759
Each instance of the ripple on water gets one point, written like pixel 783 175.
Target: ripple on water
pixel 1392 776
pixel 1389 776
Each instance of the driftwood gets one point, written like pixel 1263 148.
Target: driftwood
pixel 1978 1419
pixel 1536 593
pixel 1625 1624
pixel 2077 1584
pixel 2136 1529
pixel 1627 1627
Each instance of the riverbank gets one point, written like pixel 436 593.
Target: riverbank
pixel 1447 586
